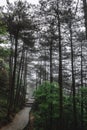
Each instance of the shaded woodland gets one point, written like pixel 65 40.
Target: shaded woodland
pixel 45 48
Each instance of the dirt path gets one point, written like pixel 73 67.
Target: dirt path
pixel 20 121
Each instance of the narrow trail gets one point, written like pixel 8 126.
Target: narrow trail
pixel 20 121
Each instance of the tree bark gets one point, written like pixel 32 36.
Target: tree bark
pixel 85 15
pixel 81 87
pixel 12 87
pixel 73 78
pixel 60 68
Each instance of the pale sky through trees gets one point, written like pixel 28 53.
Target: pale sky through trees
pixel 3 2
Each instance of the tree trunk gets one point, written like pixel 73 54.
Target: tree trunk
pixel 18 87
pixel 51 72
pixel 81 87
pixel 85 15
pixel 12 94
pixel 73 79
pixel 25 77
pixel 60 72
pixel 10 75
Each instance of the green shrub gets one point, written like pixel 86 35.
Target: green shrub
pixel 46 105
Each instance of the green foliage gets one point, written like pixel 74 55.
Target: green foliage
pixel 47 104
pixel 46 107
pixel 83 98
pixel 2 31
pixel 4 52
pixel 3 89
pixel 2 28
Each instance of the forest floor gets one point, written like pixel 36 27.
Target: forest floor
pixel 20 120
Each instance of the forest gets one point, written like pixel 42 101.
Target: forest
pixel 43 47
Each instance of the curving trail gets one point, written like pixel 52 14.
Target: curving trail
pixel 20 121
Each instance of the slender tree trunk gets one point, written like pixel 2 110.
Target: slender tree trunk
pixel 51 80
pixel 18 81
pixel 10 75
pixel 73 79
pixel 36 79
pixel 12 89
pixel 25 77
pixel 60 71
pixel 40 76
pixel 81 87
pixel 14 71
pixel 45 67
pixel 51 72
pixel 85 15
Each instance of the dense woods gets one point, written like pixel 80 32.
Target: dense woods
pixel 44 47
